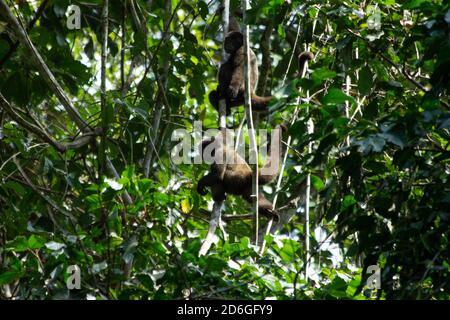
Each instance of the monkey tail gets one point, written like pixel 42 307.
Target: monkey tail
pixel 260 104
pixel 267 178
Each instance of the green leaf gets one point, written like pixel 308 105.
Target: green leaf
pixel 115 240
pixel 19 244
pixel 216 264
pixel 35 242
pixel 203 9
pixel 336 96
pixel 317 183
pixel 373 143
pixel 348 201
pixel 15 186
pixel 271 282
pixel 129 249
pixel 48 166
pixel 338 288
pixel 365 82
pixel 244 243
pixel 414 4
pixel 288 252
pixel 9 277
pixel 322 74
pixel 159 248
pixel 397 139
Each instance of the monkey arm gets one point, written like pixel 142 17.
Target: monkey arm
pixel 206 181
pixel 265 207
pixel 214 99
pixel 237 78
pixel 211 180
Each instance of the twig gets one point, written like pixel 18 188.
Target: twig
pixel 152 56
pixel 213 223
pixel 288 143
pixel 217 207
pixel 237 217
pixel 35 189
pixel 250 124
pixel 162 84
pixel 30 25
pixel 265 65
pixel 393 64
pixel 53 204
pixel 103 106
pixel 122 50
pixel 42 67
pixel 280 176
pixel 48 76
pixel 43 135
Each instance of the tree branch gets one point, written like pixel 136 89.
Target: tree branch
pixel 43 135
pixel 265 65
pixel 50 79
pixel 103 102
pixel 250 125
pixel 161 98
pixel 14 47
pixel 217 208
pixel 389 61
pixel 42 67
pixel 213 223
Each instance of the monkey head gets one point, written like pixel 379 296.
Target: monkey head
pixel 233 41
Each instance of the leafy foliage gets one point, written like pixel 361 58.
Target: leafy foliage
pixel 376 93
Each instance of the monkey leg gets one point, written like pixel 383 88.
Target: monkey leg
pixel 234 90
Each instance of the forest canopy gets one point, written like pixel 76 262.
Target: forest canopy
pixel 93 92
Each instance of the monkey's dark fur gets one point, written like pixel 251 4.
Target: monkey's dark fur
pixel 231 73
pixel 234 176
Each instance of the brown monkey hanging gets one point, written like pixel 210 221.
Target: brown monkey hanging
pixel 234 175
pixel 231 73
